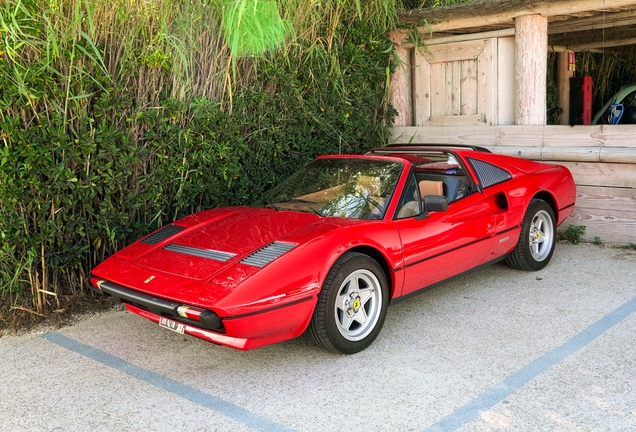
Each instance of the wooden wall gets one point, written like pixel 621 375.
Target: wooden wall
pixel 602 160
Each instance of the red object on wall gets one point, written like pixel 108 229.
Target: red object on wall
pixel 587 100
pixel 581 100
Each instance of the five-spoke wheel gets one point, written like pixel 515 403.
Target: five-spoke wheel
pixel 538 234
pixel 358 305
pixel 541 235
pixel 351 306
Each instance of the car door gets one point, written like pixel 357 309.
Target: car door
pixel 446 244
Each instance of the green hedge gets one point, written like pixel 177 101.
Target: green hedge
pixel 78 184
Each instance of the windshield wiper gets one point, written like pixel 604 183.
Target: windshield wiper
pixel 304 201
pixel 299 200
pixel 314 211
pixel 267 203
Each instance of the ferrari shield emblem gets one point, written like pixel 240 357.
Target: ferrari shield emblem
pixel 149 279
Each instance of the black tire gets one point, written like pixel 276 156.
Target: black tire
pixel 355 289
pixel 538 237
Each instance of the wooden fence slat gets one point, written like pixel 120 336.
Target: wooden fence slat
pixel 468 87
pixel 581 154
pixel 448 89
pixel 438 84
pixel 421 89
pixel 603 174
pixel 609 226
pixel 456 73
pixel 606 198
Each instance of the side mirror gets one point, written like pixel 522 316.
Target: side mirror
pixel 433 203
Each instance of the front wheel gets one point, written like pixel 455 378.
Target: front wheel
pixel 538 237
pixel 351 306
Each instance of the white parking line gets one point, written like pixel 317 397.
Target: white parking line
pixel 517 380
pixel 212 402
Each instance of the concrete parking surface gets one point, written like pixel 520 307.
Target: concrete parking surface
pixel 499 349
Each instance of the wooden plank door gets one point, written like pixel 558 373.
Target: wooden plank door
pixel 455 84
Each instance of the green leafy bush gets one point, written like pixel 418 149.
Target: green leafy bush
pixel 573 233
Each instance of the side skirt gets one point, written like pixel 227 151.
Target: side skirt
pixel 435 285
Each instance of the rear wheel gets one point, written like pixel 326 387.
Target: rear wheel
pixel 351 306
pixel 536 242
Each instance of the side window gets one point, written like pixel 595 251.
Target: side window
pixel 410 201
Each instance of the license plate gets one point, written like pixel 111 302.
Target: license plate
pixel 171 325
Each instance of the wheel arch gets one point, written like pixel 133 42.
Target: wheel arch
pixel 381 260
pixel 547 197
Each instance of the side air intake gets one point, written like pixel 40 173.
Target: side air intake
pixel 269 253
pixel 488 174
pixel 163 234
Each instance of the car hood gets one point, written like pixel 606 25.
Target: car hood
pixel 201 259
pixel 213 241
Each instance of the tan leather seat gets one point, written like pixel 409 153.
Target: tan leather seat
pixel 430 187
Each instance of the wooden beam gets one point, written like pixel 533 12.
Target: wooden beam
pixel 600 143
pixel 531 60
pixel 604 21
pixel 563 75
pixel 602 44
pixel 400 91
pixel 560 49
pixel 463 37
pixel 494 12
pixel 609 36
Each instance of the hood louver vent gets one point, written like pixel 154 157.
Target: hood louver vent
pixel 269 253
pixel 163 234
pixel 203 253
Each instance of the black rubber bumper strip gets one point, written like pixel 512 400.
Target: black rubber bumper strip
pixel 159 306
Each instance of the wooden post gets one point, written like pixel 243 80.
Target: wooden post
pixel 531 62
pixel 563 75
pixel 401 97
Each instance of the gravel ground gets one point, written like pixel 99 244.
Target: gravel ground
pixel 499 349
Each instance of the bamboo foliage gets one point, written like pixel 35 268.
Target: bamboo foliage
pixel 609 72
pixel 144 46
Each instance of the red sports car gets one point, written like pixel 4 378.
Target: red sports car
pixel 330 248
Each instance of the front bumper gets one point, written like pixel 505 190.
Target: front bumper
pixel 256 328
pixel 252 331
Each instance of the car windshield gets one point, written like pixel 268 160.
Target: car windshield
pixel 342 187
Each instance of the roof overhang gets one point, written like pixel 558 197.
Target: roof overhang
pixel 577 25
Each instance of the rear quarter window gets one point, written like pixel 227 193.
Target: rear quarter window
pixel 487 173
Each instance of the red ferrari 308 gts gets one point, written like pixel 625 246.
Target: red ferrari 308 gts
pixel 330 248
